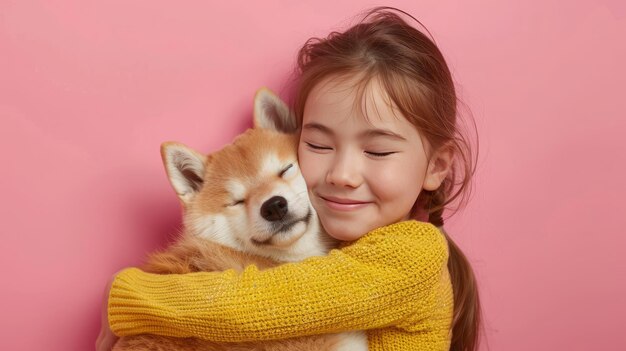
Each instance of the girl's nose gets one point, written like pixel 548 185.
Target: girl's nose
pixel 345 171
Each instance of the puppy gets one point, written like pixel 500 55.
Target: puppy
pixel 244 204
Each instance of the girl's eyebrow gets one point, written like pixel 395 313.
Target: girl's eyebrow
pixel 319 127
pixel 370 133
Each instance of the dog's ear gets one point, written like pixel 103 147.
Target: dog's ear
pixel 271 112
pixel 184 168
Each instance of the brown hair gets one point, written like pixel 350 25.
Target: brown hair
pixel 416 78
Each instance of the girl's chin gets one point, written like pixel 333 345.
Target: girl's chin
pixel 339 232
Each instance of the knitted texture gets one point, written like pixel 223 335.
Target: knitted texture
pixel 392 282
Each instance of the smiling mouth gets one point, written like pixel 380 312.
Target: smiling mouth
pixel 343 204
pixel 342 201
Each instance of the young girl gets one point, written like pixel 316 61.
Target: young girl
pixel 379 149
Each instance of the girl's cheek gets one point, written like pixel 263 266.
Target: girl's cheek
pixel 387 173
pixel 306 168
pixel 390 180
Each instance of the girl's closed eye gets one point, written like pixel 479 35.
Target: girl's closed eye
pixel 380 154
pixel 378 149
pixel 317 147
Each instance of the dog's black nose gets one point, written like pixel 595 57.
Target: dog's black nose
pixel 274 209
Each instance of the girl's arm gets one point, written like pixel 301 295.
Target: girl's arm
pixel 384 277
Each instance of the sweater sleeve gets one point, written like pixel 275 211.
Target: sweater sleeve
pixel 379 280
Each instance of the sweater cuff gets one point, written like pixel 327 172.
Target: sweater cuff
pixel 134 308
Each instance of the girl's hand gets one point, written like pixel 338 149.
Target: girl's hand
pixel 106 339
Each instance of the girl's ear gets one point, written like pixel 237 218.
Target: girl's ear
pixel 271 112
pixel 438 168
pixel 185 169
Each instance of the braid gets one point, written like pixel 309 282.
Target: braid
pixel 434 202
pixel 466 316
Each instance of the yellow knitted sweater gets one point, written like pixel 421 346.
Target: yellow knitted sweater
pixel 392 282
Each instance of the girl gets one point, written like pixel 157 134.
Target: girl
pixel 380 151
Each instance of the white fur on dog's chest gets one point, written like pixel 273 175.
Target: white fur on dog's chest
pixel 352 341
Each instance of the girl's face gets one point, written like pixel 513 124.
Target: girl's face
pixel 361 174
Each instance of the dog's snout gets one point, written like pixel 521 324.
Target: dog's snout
pixel 274 209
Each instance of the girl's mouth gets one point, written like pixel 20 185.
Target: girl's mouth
pixel 341 204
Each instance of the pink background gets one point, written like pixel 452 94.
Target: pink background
pixel 88 91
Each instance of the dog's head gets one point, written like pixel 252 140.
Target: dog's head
pixel 250 195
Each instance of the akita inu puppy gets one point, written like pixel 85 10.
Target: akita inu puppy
pixel 244 204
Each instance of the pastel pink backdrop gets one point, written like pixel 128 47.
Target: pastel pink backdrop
pixel 89 90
